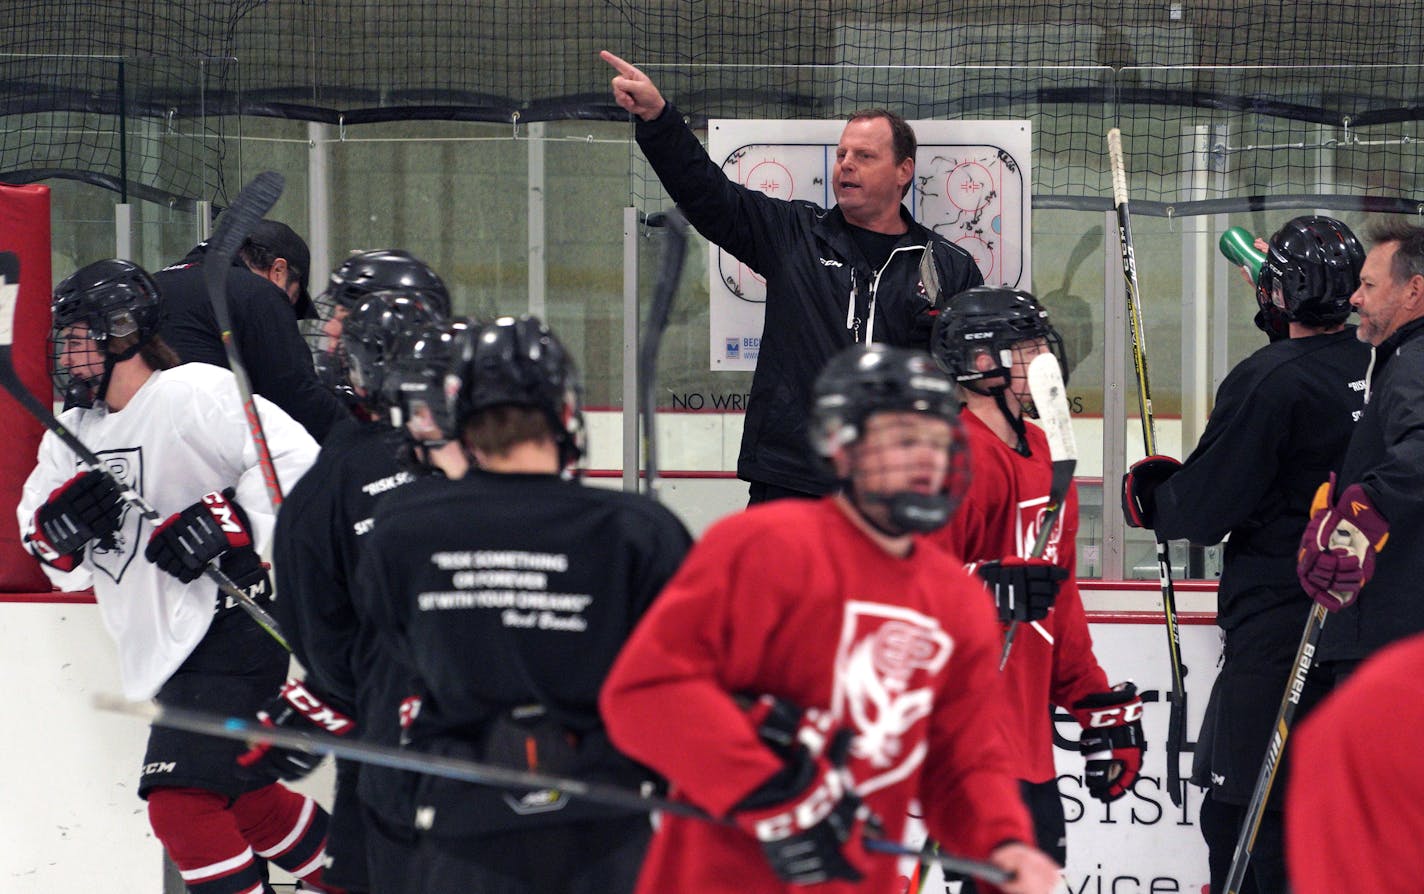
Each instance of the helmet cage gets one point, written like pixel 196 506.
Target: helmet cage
pixel 990 320
pixel 863 381
pixel 375 332
pixel 113 299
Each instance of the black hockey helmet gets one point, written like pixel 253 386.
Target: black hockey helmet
pixel 989 320
pixel 1312 268
pixel 376 330
pixel 360 276
pixel 416 378
pixel 520 362
pixel 385 270
pixel 113 299
pixel 864 380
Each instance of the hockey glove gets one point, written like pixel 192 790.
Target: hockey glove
pixel 809 821
pixel 186 542
pixel 1337 551
pixel 1139 489
pixel 786 728
pixel 1023 589
pixel 295 708
pixel 83 509
pixel 1112 740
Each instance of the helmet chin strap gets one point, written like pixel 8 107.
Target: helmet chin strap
pixel 1015 422
pixel 909 512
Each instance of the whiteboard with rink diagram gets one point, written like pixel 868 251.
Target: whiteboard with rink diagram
pixel 972 186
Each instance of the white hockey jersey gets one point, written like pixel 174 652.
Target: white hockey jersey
pixel 184 434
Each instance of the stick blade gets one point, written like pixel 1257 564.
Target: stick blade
pixel 1045 383
pixel 250 206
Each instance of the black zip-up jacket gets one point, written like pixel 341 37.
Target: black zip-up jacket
pixel 1282 420
pixel 1386 458
pixel 264 327
pixel 821 293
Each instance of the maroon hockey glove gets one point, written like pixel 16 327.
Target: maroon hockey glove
pixel 1112 740
pixel 1337 551
pixel 297 708
pixel 809 822
pixel 186 542
pixel 1139 489
pixel 1023 589
pixel 83 509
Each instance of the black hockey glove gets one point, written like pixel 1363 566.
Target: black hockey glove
pixel 295 708
pixel 186 542
pixel 807 817
pixel 809 822
pixel 1023 589
pixel 1112 740
pixel 1139 489
pixel 83 509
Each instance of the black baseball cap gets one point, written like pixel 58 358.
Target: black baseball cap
pixel 282 242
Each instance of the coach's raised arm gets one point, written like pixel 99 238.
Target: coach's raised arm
pixel 834 277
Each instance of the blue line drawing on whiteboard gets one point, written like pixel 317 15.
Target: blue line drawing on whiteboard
pixel 972 194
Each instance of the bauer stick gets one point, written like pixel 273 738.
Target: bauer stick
pixel 253 731
pixel 255 200
pixel 1045 383
pixel 10 380
pixel 664 290
pixel 1246 840
pixel 1176 722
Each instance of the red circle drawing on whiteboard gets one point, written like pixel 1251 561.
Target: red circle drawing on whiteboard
pixel 969 185
pixel 772 178
pixel 983 255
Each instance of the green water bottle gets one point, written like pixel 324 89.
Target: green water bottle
pixel 1239 246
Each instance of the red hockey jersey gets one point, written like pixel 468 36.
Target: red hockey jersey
pixel 1001 516
pixel 1355 802
pixel 791 599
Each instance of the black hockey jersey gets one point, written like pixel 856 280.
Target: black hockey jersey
pixel 513 591
pixel 1279 428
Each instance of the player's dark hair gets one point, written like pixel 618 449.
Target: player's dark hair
pixel 902 135
pixel 497 430
pixel 1409 239
pixel 258 257
pixel 158 355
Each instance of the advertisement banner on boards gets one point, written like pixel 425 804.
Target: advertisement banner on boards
pixel 1141 843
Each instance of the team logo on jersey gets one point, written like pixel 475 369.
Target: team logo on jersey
pixel 886 666
pixel 1029 522
pixel 113 558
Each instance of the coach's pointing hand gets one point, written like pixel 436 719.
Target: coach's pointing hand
pixel 633 90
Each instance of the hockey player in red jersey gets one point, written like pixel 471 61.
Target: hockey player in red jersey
pixel 985 338
pixel 841 608
pixel 1355 805
pixel 178 436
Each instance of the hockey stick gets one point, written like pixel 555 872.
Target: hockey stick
pixel 1246 840
pixel 252 731
pixel 1045 383
pixel 255 200
pixel 1176 722
pixel 10 380
pixel 664 290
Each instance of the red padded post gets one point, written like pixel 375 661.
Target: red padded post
pixel 24 230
